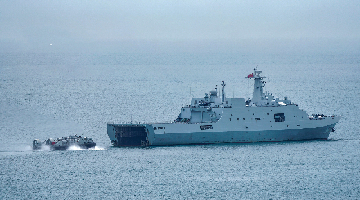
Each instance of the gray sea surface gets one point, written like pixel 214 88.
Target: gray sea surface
pixel 56 95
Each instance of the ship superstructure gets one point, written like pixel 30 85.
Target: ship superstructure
pixel 218 119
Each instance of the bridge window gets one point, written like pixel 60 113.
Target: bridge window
pixel 279 117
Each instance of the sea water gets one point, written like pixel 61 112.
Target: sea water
pixel 48 95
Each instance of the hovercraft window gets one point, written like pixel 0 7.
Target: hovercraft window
pixel 279 117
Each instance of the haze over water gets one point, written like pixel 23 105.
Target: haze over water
pixel 141 62
pixel 79 94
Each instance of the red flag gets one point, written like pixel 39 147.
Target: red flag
pixel 251 75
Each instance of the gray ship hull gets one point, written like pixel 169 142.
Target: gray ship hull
pixel 142 135
pixel 217 119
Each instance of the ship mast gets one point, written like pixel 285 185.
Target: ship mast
pixel 223 91
pixel 258 93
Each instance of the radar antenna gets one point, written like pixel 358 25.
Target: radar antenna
pixel 223 91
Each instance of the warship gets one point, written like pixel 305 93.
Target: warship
pixel 218 119
pixel 64 143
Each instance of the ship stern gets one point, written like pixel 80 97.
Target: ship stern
pixel 128 134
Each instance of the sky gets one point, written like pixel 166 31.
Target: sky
pixel 179 25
